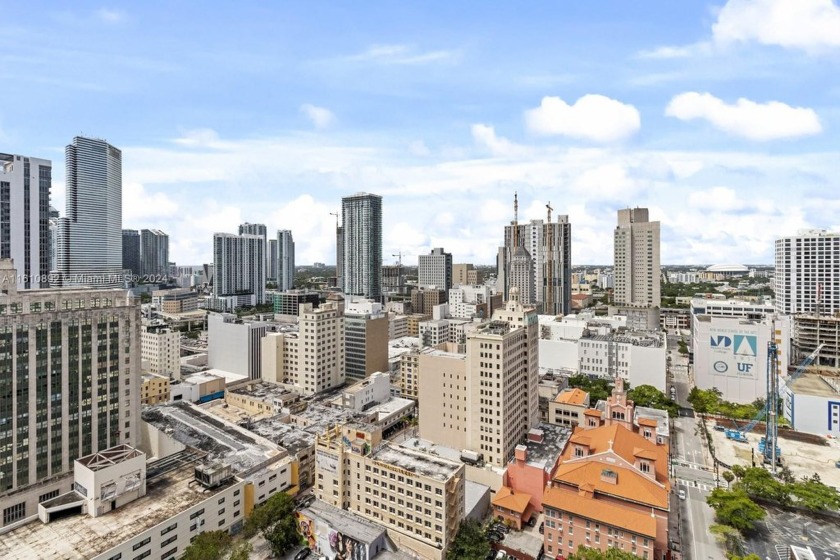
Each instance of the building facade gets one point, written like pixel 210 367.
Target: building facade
pixel 234 345
pixel 70 362
pixel 435 269
pixel 807 279
pixel 636 260
pixel 154 255
pixel 25 185
pixel 131 251
pixel 465 274
pixel 365 339
pixel 261 231
pixel 362 243
pixel 285 260
pixel 239 267
pixel 90 233
pixel 160 350
pixel 288 302
pixel 273 262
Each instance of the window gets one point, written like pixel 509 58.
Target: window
pixel 169 529
pixel 196 514
pixel 144 555
pixel 169 553
pixel 142 543
pixel 169 540
pixel 14 513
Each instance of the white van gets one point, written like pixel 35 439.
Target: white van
pixel 682 494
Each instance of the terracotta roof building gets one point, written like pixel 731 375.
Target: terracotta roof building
pixel 611 487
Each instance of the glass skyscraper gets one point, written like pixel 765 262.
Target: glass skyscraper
pixel 361 216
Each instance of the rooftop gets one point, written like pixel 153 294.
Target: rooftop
pixel 416 462
pixel 524 542
pixel 546 452
pixel 317 418
pixel 344 522
pixel 288 436
pixel 636 338
pixel 816 385
pixel 515 501
pixel 82 536
pixel 603 511
pixel 572 396
pixel 265 390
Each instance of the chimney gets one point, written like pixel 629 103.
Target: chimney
pixel 536 435
pixel 521 453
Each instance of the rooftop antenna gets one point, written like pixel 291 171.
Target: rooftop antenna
pixel 515 219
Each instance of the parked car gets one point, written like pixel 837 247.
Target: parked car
pixel 532 522
pixel 495 536
pixel 500 527
pixel 720 428
pixel 682 494
pixel 303 554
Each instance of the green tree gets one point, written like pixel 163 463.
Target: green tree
pixel 759 483
pixel 728 536
pixel 599 389
pixel 811 493
pixel 265 516
pixel 734 508
pixel 470 543
pixel 242 551
pixel 282 536
pixel 584 553
pixel 650 396
pixel 738 471
pixel 747 557
pixel 210 545
pixel 728 476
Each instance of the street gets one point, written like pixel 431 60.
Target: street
pixel 692 470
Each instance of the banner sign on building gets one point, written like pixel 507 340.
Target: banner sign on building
pixel 734 353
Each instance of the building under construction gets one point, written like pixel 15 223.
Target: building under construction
pixel 809 331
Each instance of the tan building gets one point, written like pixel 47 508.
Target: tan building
pixel 409 375
pixel 365 339
pixel 442 395
pixel 637 268
pixel 417 496
pixel 413 323
pixel 155 389
pixel 312 359
pixel 160 349
pixel 69 386
pixel 175 302
pixel 568 408
pixel 498 394
pixel 466 275
pixel 611 489
pixel 424 300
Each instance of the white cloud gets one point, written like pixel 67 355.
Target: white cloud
pixel 109 15
pixel 419 148
pixel 592 117
pixel 402 55
pixel 716 199
pixel 198 137
pixel 140 204
pixel 683 51
pixel 321 117
pixel 810 25
pixel 485 136
pixel 746 118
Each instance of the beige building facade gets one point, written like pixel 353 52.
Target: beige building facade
pixel 636 259
pixel 160 350
pixel 155 389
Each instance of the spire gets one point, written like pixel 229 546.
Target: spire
pixel 515 219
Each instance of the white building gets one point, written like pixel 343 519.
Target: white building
pixel 90 233
pixel 807 278
pixel 435 270
pixel 360 396
pixel 160 350
pixel 637 268
pixel 731 354
pixel 433 333
pixel 234 345
pixel 25 184
pixel 285 260
pixel 812 404
pixel 465 302
pixel 731 308
pixel 239 268
pixel 154 254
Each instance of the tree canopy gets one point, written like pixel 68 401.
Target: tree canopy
pixel 759 483
pixel 210 545
pixel 470 543
pixel 650 396
pixel 584 553
pixel 599 388
pixel 734 508
pixel 709 401
pixel 275 519
pixel 811 493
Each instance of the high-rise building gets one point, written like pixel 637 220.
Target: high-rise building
pixel 285 260
pixel 339 257
pixel 131 251
pixel 365 338
pixel 362 242
pixel 154 253
pixel 24 217
pixel 807 278
pixel 238 269
pixel 53 226
pixel 69 381
pixel 233 345
pixel 262 231
pixel 537 259
pixel 636 263
pixel 90 233
pixel 435 269
pixel 160 349
pixel 273 262
pixel 465 274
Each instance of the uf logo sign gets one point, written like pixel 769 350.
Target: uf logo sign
pixel 721 341
pixel 745 368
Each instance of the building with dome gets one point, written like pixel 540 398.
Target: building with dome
pixel 721 271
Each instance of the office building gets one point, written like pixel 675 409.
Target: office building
pixel 465 274
pixel 313 358
pixel 90 233
pixel 175 302
pixel 25 184
pixel 810 331
pixel 273 262
pixel 537 259
pixel 154 255
pixel 53 233
pixel 339 256
pixel 365 338
pixel 807 278
pixel 417 496
pixel 361 216
pixel 636 259
pixel 285 260
pixel 238 269
pixel 568 407
pixel 70 363
pixel 233 345
pixel 131 251
pixel 393 279
pixel 424 300
pixel 611 488
pixel 435 270
pixel 288 303
pixel 160 350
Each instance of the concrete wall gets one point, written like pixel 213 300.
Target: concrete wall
pixel 812 413
pixel 271 357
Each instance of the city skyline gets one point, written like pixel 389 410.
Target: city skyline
pixel 651 106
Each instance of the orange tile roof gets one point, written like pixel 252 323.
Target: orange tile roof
pixel 601 511
pixel 645 454
pixel 592 412
pixel 630 485
pixel 506 498
pixel 647 422
pixel 623 442
pixel 571 396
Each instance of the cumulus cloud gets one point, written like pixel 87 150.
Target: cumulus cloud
pixel 592 117
pixel 321 117
pixel 141 204
pixel 748 119
pixel 810 25
pixel 716 199
pixel 485 136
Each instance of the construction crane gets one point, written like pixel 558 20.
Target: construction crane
pixel 336 214
pixel 768 445
pixel 399 257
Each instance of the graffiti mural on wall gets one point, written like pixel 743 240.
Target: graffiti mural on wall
pixel 328 542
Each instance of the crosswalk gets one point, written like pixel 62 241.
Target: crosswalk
pixel 706 487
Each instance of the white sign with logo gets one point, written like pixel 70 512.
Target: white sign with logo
pixel 734 353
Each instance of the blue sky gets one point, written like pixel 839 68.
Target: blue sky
pixel 721 117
